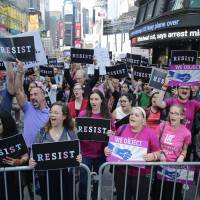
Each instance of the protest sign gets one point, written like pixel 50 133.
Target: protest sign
pixel 184 75
pixel 39 49
pixel 126 149
pixel 117 71
pixel 183 57
pixel 143 73
pixel 52 61
pixel 144 62
pixel 133 59
pixel 56 155
pixel 157 78
pixel 13 146
pixel 22 48
pixel 182 174
pixel 60 65
pixel 2 66
pixel 82 55
pixel 29 71
pixel 93 129
pixel 46 71
pixel 103 59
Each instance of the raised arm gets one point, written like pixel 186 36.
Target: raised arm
pixel 20 95
pixel 10 78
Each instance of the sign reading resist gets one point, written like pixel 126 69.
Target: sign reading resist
pixel 133 59
pixel 143 73
pixel 56 155
pixel 82 55
pixel 117 71
pixel 183 57
pixel 52 61
pixel 46 71
pixel 93 129
pixel 22 48
pixel 13 146
pixel 157 78
pixel 2 66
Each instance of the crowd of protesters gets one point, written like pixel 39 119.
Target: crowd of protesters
pixel 48 109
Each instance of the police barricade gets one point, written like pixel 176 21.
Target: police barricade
pixel 9 174
pixel 127 180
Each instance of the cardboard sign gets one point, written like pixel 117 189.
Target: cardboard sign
pixel 103 59
pixel 182 174
pixel 13 146
pixel 56 155
pixel 133 59
pixel 82 55
pixel 126 149
pixel 93 129
pixel 22 48
pixel 183 57
pixel 117 71
pixel 144 62
pixel 39 49
pixel 2 66
pixel 157 78
pixel 143 73
pixel 46 71
pixel 185 75
pixel 52 61
pixel 122 121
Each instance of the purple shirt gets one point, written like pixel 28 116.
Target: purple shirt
pixel 191 108
pixel 34 120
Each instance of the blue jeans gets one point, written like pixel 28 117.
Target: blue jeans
pixel 93 164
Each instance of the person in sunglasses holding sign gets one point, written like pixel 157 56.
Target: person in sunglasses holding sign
pixel 60 127
pixel 174 140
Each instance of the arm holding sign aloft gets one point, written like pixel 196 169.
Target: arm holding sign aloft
pixel 10 77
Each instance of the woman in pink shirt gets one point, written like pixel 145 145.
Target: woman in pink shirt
pixel 174 140
pixel 136 129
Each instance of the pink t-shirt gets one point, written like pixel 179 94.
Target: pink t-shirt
pixel 93 149
pixel 146 134
pixel 172 141
pixel 191 108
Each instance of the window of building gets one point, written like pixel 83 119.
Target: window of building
pixel 159 7
pixel 174 5
pixel 149 10
pixel 194 4
pixel 141 14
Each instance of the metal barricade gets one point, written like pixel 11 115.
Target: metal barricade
pixel 18 171
pixel 151 166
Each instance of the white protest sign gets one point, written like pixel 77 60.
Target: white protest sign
pixel 90 69
pixel 40 53
pixel 103 59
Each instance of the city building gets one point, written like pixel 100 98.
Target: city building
pixel 165 25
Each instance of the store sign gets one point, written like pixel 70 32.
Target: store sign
pixel 176 34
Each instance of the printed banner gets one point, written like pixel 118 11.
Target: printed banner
pixel 103 59
pixel 126 149
pixel 133 59
pixel 56 155
pixel 183 57
pixel 13 146
pixel 185 75
pixel 157 78
pixel 117 71
pixel 52 61
pixel 39 49
pixel 93 129
pixel 2 66
pixel 182 174
pixel 22 48
pixel 122 121
pixel 46 71
pixel 143 73
pixel 82 55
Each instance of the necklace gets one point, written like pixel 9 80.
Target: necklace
pixel 56 134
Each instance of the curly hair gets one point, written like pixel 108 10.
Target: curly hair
pixel 68 122
pixel 9 125
pixel 104 107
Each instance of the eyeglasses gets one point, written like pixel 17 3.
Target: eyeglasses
pixel 174 113
pixel 123 101
pixel 77 89
pixel 182 88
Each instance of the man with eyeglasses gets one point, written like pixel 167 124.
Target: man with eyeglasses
pixel 183 98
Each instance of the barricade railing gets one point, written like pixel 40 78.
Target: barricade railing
pixel 176 173
pixel 19 170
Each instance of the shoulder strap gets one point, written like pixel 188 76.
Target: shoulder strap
pixel 161 133
pixel 122 130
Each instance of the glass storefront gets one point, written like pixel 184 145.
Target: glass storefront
pixel 194 4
